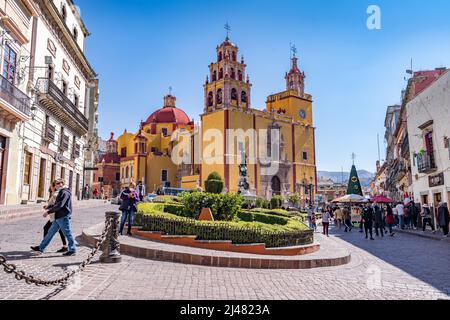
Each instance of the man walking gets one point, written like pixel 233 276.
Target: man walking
pixel 401 215
pixel 62 208
pixel 443 218
pixel 368 221
pixel 141 191
pixel 379 221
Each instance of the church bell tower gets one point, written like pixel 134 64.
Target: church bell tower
pixel 228 85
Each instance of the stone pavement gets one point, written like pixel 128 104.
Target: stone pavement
pixel 403 267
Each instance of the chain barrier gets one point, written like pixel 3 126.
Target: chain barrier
pixel 21 275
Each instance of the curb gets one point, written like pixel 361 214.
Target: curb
pixel 423 235
pixel 214 258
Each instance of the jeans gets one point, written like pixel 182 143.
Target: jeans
pixel 64 225
pixel 326 226
pixel 402 221
pixel 130 215
pixel 348 225
pixel 390 228
pixel 61 234
pixel 368 229
pixel 379 226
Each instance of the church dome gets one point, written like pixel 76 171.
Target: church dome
pixel 169 114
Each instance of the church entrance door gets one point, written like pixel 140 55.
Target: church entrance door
pixel 276 186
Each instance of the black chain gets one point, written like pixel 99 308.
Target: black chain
pixel 21 275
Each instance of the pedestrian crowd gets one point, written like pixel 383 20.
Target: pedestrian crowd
pixel 383 218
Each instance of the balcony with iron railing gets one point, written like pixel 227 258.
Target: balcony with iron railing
pixel 405 148
pixel 52 98
pixel 426 163
pixel 14 104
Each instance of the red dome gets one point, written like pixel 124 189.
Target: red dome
pixel 169 115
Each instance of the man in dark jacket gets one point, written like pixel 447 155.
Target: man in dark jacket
pixel 443 218
pixel 63 212
pixel 368 221
pixel 379 221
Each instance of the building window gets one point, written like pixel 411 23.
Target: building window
pixel 76 100
pixel 220 73
pixel 75 33
pixel 123 152
pixel 127 172
pixel 240 77
pixel 234 95
pixel 64 12
pixel 244 97
pixel 27 169
pixel 9 64
pixel 63 173
pixel 164 132
pixel 164 175
pixel 210 99
pixel 50 72
pixel 305 156
pixel 219 96
pixel 64 87
pixel 117 176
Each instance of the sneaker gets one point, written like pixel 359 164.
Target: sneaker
pixel 62 250
pixel 372 239
pixel 69 254
pixel 36 249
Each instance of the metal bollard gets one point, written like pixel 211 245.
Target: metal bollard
pixel 111 247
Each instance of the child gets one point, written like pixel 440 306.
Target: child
pixel 313 222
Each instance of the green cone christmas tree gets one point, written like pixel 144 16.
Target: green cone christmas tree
pixel 354 185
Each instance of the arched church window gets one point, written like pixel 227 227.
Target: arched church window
pixel 127 172
pixel 220 57
pixel 233 73
pixel 240 76
pixel 210 99
pixel 234 56
pixel 234 95
pixel 214 77
pixel 219 96
pixel 244 97
pixel 221 73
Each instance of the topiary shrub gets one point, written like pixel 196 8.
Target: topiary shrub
pixel 223 206
pixel 214 184
pixel 276 202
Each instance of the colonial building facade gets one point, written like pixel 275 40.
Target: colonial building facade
pixel 15 104
pixel 428 117
pixel 59 132
pixel 229 116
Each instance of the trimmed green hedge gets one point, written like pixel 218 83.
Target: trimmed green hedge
pixel 236 232
pixel 247 226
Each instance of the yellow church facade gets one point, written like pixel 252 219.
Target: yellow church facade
pixel 277 143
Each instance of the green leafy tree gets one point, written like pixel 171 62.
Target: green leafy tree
pixel 294 199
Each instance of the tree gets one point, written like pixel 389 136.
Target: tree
pixel 214 183
pixel 354 185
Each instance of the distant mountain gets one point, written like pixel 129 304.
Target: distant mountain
pixel 365 177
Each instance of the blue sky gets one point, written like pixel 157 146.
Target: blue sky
pixel 141 47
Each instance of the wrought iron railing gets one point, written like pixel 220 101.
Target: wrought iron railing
pixel 425 163
pixel 15 96
pixel 46 86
